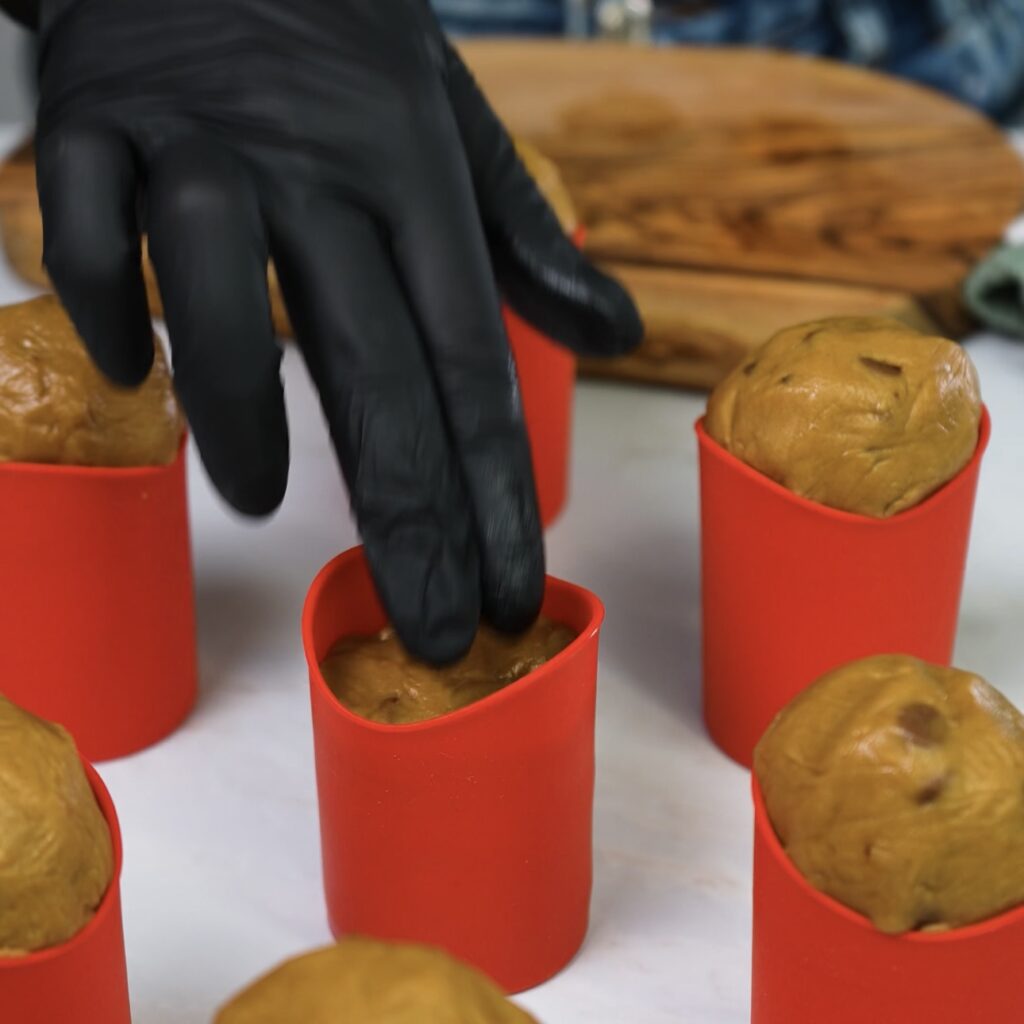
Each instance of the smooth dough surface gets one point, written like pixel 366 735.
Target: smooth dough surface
pixel 361 981
pixel 56 854
pixel 375 677
pixel 897 787
pixel 57 408
pixel 863 414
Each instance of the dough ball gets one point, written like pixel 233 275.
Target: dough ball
pixel 375 677
pixel 368 982
pixel 863 414
pixel 897 787
pixel 56 854
pixel 56 407
pixel 549 181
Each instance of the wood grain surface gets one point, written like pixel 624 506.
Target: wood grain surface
pixel 734 191
pixel 759 161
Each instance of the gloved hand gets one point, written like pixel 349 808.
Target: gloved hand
pixel 346 140
pixel 24 11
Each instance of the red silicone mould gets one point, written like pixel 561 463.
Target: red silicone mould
pixel 472 831
pixel 547 378
pixel 817 962
pixel 84 980
pixel 792 588
pixel 97 601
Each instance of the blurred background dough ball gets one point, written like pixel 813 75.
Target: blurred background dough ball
pixel 549 181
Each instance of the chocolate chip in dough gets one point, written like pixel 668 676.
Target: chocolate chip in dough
pixel 931 792
pixel 923 724
pixel 889 369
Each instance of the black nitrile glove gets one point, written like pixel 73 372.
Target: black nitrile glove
pixel 346 140
pixel 25 11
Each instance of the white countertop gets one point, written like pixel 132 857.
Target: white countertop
pixel 222 863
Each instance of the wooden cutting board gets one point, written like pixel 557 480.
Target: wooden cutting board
pixel 739 190
pixel 734 191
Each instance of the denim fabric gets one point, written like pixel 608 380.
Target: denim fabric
pixel 531 17
pixel 977 54
pixel 972 49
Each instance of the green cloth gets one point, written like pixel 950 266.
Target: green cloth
pixel 994 292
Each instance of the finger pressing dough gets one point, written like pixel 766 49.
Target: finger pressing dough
pixel 863 414
pixel 897 787
pixel 366 982
pixel 56 854
pixel 56 407
pixel 375 677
